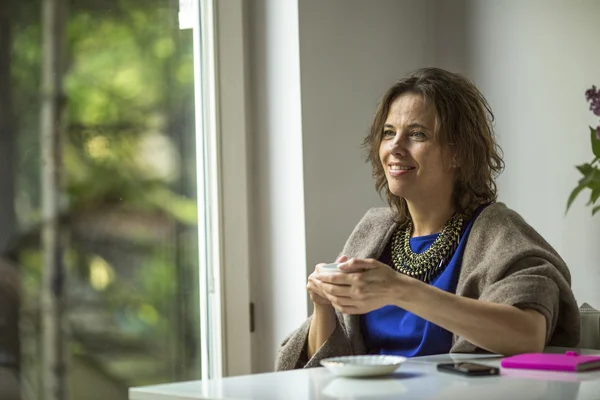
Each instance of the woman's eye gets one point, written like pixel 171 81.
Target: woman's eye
pixel 418 135
pixel 389 133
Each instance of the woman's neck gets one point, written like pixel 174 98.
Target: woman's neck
pixel 429 218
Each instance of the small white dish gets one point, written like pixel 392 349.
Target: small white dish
pixel 363 366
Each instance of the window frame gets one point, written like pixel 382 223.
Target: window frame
pixel 220 64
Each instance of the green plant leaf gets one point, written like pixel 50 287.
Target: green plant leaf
pixel 585 169
pixel 574 194
pixel 595 210
pixel 595 142
pixel 591 178
pixel 594 196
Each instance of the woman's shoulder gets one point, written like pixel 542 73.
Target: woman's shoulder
pixel 497 212
pixel 498 218
pixel 375 219
pixel 371 233
pixel 379 215
pixel 500 225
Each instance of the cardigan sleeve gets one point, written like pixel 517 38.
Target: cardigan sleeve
pixel 531 283
pixel 507 262
pixel 293 351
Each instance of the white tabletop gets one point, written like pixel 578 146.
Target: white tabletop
pixel 415 379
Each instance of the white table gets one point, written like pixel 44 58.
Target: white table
pixel 415 379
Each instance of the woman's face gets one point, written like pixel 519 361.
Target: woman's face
pixel 415 165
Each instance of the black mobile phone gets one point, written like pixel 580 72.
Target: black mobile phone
pixel 469 369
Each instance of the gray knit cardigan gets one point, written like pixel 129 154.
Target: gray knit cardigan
pixel 505 261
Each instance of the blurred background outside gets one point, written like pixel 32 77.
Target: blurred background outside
pixel 127 192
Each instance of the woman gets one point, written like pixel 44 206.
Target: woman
pixel 445 268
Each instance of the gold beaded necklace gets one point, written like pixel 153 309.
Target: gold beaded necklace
pixel 427 265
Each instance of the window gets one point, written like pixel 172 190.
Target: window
pixel 137 195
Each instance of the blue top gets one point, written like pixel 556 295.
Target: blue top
pixel 393 330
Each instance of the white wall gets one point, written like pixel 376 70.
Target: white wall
pixel 534 60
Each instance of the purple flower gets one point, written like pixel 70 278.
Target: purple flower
pixel 590 93
pixel 593 96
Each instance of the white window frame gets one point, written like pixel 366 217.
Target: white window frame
pixel 220 91
pixel 232 67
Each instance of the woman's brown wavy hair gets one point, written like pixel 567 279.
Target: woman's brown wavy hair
pixel 464 125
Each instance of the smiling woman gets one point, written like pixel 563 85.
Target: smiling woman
pixel 456 120
pixel 445 268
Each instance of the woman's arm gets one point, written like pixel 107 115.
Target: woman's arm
pixel 498 328
pixel 322 326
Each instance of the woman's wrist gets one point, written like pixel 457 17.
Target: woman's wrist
pixel 406 289
pixel 323 308
pixel 323 324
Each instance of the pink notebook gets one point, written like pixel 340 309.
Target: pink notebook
pixel 570 361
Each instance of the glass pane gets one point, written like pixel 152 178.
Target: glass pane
pixel 128 197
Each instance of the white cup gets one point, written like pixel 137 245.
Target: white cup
pixel 333 267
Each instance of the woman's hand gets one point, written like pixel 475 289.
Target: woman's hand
pixel 313 287
pixel 363 285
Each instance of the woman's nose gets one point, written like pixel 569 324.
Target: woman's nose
pixel 398 145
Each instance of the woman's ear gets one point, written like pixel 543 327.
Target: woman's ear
pixel 455 161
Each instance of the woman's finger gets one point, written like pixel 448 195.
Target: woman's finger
pixel 341 259
pixel 357 265
pixel 341 301
pixel 335 290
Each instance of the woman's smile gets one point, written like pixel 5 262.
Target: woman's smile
pixel 396 170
